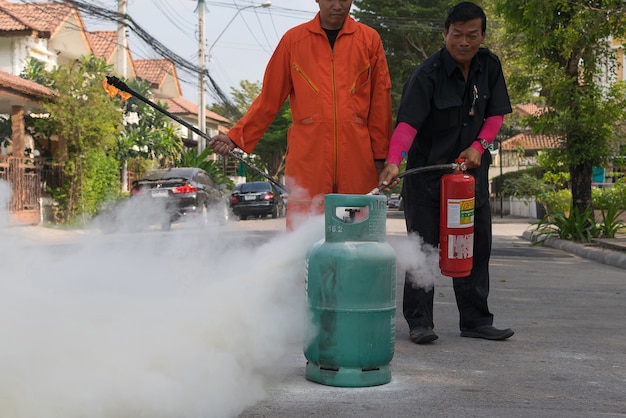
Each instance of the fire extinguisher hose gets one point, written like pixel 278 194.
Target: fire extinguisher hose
pixel 119 84
pixel 449 166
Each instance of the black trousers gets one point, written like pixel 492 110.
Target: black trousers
pixel 471 292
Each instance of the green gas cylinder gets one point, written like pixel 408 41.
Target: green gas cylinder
pixel 351 293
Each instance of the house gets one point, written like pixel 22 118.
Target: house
pixel 161 75
pixel 516 153
pixel 54 33
pixel 104 45
pixel 188 112
pixel 523 148
pixel 520 151
pixel 164 84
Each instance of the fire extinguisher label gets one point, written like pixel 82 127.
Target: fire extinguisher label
pixel 460 246
pixel 460 213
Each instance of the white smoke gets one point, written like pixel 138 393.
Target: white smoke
pixel 153 324
pixel 5 198
pixel 419 260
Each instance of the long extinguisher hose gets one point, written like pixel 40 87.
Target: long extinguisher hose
pixel 449 166
pixel 119 84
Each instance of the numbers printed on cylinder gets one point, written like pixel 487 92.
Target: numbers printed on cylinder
pixel 335 228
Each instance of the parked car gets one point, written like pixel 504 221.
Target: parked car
pixel 393 203
pixel 183 192
pixel 257 198
pixel 283 194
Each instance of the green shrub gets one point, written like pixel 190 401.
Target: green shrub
pixel 611 202
pixel 575 226
pixel 556 202
pixel 524 186
pixel 572 225
pixel 608 197
pixel 611 224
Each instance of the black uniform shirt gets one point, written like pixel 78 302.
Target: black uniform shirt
pixel 448 113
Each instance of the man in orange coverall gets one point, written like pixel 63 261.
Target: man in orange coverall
pixel 335 73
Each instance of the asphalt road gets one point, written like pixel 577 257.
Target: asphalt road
pixel 566 358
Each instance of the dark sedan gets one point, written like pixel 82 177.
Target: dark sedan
pixel 183 192
pixel 393 202
pixel 257 198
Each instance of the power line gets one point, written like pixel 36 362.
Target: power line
pixel 408 24
pixel 158 47
pixel 182 63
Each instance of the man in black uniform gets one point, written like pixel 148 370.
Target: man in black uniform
pixel 452 107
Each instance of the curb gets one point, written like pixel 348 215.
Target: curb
pixel 601 255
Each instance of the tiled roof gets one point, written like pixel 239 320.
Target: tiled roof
pixel 11 23
pixel 529 109
pixel 103 43
pixel 154 71
pixel 181 106
pixel 530 141
pixel 20 85
pixel 45 18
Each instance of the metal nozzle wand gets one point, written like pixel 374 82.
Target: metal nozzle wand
pixel 457 165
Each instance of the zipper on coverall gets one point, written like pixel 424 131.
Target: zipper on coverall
pixel 335 123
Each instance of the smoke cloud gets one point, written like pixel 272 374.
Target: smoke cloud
pixel 419 260
pixel 187 323
pixel 5 198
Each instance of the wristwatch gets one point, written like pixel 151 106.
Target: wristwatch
pixel 483 143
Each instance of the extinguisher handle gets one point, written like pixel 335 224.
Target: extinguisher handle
pixel 460 164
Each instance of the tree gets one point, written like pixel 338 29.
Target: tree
pixel 411 30
pixel 88 121
pixel 243 97
pixel 564 48
pixel 148 133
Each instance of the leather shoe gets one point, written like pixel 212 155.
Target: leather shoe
pixel 488 332
pixel 422 335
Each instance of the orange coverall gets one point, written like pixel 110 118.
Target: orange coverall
pixel 341 107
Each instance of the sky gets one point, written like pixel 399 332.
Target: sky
pixel 242 41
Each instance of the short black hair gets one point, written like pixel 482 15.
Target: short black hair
pixel 464 12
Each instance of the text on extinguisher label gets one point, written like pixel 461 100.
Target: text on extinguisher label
pixel 460 213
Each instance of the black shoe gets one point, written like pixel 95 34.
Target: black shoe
pixel 488 332
pixel 422 335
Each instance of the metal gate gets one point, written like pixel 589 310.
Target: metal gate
pixel 24 176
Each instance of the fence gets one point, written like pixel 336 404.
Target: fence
pixel 30 179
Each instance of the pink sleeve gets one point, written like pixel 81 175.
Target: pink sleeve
pixel 488 132
pixel 401 141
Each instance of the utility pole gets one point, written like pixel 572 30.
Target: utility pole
pixel 201 67
pixel 121 64
pixel 122 41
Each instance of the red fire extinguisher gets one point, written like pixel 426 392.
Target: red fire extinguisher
pixel 456 223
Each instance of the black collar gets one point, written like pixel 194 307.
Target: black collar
pixel 450 64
